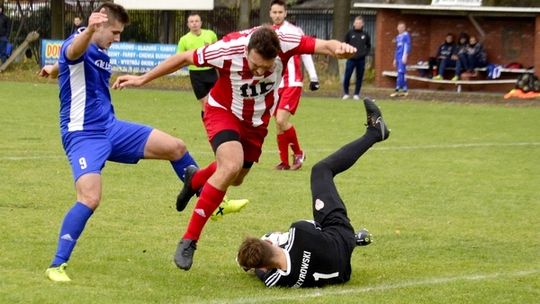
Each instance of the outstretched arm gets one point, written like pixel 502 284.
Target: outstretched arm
pixel 80 43
pixel 50 70
pixel 338 49
pixel 170 65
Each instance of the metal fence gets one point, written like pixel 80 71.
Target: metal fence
pixel 30 15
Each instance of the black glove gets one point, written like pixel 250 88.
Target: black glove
pixel 314 85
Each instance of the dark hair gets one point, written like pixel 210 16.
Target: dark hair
pixel 265 41
pixel 254 253
pixel 194 14
pixel 278 2
pixel 114 11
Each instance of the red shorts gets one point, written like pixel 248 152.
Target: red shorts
pixel 289 98
pixel 252 138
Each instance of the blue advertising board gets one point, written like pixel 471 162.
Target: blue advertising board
pixel 126 57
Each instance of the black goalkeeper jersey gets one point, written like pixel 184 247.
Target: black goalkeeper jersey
pixel 315 257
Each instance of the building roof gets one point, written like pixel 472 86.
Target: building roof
pixel 455 10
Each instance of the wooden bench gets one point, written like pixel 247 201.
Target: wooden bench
pixel 417 67
pixel 460 82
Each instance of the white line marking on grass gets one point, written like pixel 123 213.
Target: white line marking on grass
pixel 396 148
pixel 321 292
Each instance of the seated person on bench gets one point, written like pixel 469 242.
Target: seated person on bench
pixel 473 57
pixel 444 57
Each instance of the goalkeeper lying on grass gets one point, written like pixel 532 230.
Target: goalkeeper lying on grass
pixel 316 253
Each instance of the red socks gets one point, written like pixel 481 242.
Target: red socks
pixel 206 204
pixel 288 137
pixel 200 178
pixel 283 146
pixel 293 140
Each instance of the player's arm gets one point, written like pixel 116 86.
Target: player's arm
pixel 80 43
pixel 406 50
pixel 261 273
pixel 169 65
pixel 307 60
pixel 50 70
pixel 338 49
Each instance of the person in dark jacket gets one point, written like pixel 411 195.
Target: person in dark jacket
pixel 444 57
pixel 77 25
pixel 360 39
pixel 5 29
pixel 471 57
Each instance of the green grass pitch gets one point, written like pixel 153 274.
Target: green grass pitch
pixel 452 199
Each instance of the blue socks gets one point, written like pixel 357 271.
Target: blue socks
pixel 72 227
pixel 180 165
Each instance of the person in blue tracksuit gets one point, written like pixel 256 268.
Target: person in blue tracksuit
pixel 403 49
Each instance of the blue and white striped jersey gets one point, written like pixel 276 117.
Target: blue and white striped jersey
pixel 85 100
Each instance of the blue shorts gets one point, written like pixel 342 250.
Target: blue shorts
pixel 87 151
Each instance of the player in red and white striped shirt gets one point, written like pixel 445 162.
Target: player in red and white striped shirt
pixel 250 65
pixel 290 91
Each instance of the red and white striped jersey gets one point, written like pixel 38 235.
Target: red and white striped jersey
pixel 250 98
pixel 293 75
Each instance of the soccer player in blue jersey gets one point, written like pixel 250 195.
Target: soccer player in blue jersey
pixel 403 49
pixel 91 134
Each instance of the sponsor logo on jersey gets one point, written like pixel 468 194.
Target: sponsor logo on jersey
pixel 102 64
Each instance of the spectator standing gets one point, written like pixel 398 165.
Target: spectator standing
pixel 77 24
pixel 403 48
pixel 290 91
pixel 202 78
pixel 473 57
pixel 444 57
pixel 360 39
pixel 5 29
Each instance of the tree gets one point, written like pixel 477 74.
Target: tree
pixel 57 19
pixel 264 8
pixel 243 18
pixel 342 9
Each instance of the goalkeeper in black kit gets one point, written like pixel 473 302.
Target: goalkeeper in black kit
pixel 316 253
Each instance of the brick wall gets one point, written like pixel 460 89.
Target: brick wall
pixel 507 39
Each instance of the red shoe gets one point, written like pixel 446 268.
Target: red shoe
pixel 298 160
pixel 282 166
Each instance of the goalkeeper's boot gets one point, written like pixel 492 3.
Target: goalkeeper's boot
pixel 375 119
pixel 187 192
pixel 363 237
pixel 183 258
pixel 228 206
pixel 58 273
